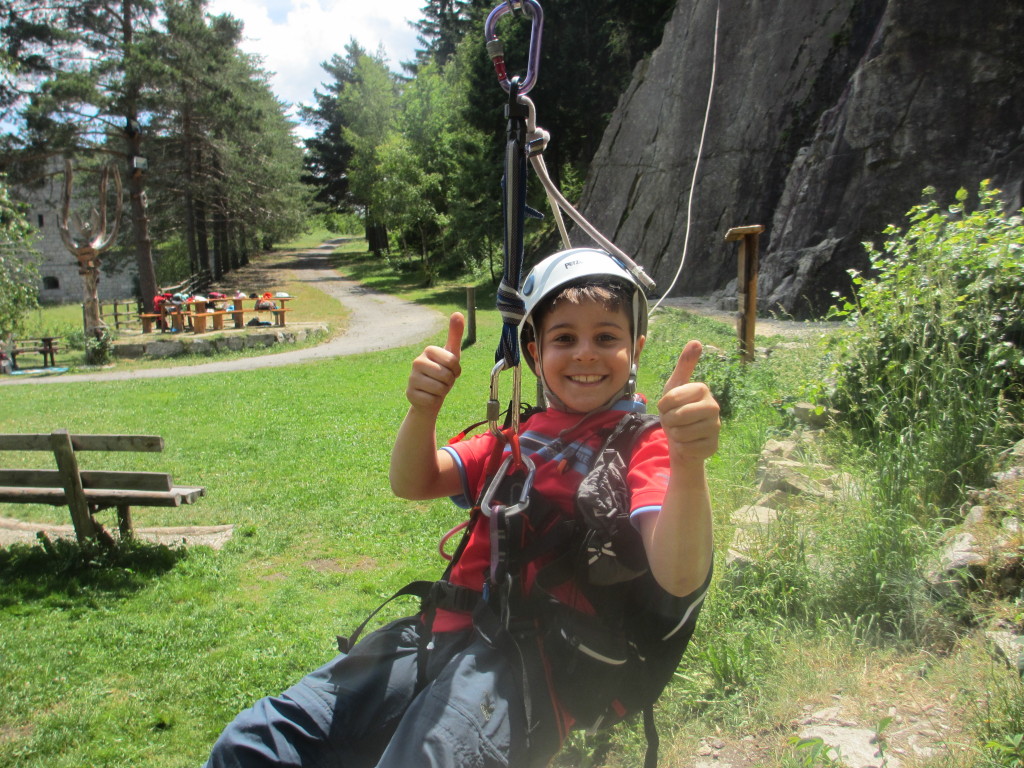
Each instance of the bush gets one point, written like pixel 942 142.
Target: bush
pixel 99 350
pixel 932 376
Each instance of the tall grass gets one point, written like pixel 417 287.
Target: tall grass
pixel 928 384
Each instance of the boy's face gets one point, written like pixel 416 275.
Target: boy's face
pixel 585 352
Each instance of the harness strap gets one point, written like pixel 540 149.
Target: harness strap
pixel 418 589
pixel 651 734
pixel 509 301
pixel 496 634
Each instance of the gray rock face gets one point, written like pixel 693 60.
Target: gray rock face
pixel 828 119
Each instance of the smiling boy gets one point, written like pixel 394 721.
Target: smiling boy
pixel 490 672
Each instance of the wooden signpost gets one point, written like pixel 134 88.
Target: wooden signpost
pixel 746 287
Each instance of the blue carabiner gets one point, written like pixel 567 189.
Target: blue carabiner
pixel 497 51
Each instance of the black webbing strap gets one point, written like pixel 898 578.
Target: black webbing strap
pixel 509 302
pixel 490 627
pixel 653 740
pixel 418 589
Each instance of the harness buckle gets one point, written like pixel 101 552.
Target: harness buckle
pixel 529 8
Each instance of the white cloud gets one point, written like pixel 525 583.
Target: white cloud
pixel 295 36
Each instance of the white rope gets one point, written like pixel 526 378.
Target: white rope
pixel 696 167
pixel 559 203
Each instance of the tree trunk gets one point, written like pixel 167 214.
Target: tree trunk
pixel 190 208
pixel 143 245
pixel 136 186
pixel 94 325
pixel 202 236
pixel 220 246
pixel 376 236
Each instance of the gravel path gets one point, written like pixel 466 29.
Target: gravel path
pixel 763 326
pixel 377 321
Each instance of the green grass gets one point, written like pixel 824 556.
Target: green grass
pixel 144 668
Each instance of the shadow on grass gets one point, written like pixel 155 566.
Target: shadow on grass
pixel 63 568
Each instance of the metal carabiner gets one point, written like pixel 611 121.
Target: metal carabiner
pixel 494 404
pixel 499 476
pixel 497 51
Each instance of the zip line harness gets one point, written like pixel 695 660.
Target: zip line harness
pixel 613 655
pixel 613 651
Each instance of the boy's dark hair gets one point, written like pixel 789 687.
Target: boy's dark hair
pixel 613 294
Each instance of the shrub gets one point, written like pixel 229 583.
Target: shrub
pixel 932 376
pixel 99 350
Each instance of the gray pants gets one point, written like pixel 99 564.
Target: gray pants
pixel 363 709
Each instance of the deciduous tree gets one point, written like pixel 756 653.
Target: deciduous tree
pixel 19 279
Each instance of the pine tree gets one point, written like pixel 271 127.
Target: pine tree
pixel 444 24
pixel 328 153
pixel 79 93
pixel 355 113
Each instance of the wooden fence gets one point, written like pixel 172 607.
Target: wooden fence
pixel 124 313
pixel 118 314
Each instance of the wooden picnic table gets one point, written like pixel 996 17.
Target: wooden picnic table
pixel 46 346
pixel 199 314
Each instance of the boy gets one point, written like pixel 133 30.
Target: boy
pixel 463 685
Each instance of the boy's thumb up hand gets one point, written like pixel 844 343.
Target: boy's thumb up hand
pixel 456 327
pixel 688 411
pixel 685 366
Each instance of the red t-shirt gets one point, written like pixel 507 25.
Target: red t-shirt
pixel 562 446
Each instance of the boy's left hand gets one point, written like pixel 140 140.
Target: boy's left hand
pixel 689 413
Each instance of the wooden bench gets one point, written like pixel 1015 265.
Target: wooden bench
pixel 86 492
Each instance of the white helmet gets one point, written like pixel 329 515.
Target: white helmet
pixel 559 271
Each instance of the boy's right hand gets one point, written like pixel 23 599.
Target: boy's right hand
pixel 434 372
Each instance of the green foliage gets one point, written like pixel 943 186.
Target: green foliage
pixel 432 175
pixel 19 278
pixel 1009 751
pixel 932 375
pixel 167 81
pixel 812 753
pixel 99 350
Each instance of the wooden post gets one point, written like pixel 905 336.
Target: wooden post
pixel 67 464
pixel 746 287
pixel 470 316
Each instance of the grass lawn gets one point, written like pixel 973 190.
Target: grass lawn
pixel 143 661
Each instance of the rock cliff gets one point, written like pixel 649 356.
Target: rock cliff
pixel 828 118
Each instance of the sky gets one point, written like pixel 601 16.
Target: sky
pixel 295 36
